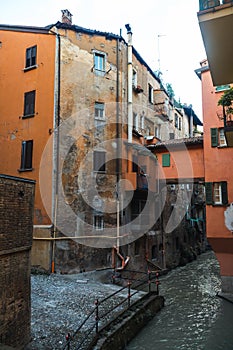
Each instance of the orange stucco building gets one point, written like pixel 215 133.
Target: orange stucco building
pixel 216 25
pixel 26 102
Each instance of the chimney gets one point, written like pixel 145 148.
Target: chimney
pixel 66 17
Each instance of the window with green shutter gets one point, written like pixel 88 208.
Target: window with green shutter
pixel 166 160
pixel 216 193
pixel 214 137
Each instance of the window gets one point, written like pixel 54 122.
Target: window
pixel 218 137
pixel 98 222
pixel 135 121
pixel 166 160
pixel 99 161
pixel 135 78
pixel 222 139
pixel 180 123
pixel 158 130
pixel 216 193
pixel 142 121
pixel 99 110
pixel 31 56
pixel 176 120
pixel 26 155
pixel 171 136
pixel 135 163
pixel 99 119
pixel 154 252
pixel 29 103
pixel 99 62
pixel 137 247
pixel 222 88
pixel 150 93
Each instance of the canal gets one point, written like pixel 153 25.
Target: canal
pixel 194 317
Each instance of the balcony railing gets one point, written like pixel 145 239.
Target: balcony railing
pixel 207 4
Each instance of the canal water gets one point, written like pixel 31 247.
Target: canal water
pixel 194 317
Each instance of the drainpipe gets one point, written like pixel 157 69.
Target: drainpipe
pixel 130 79
pixel 191 122
pixel 56 148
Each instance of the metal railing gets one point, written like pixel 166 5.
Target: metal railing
pixel 109 309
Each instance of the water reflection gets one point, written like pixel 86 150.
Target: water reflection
pixel 193 318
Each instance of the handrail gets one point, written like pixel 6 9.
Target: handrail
pixel 71 339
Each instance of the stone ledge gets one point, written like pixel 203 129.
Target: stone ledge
pixel 117 334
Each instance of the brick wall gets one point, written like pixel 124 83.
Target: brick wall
pixel 16 215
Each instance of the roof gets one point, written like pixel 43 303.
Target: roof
pixel 28 29
pixel 176 143
pixel 108 36
pixel 190 112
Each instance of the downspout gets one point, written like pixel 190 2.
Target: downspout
pixel 118 149
pixel 130 79
pixel 56 149
pixel 191 122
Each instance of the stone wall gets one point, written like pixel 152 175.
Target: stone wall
pixel 16 215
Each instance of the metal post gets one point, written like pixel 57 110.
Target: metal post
pixel 129 294
pixel 149 281
pixel 97 315
pixel 157 283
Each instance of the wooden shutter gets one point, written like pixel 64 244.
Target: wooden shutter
pixel 224 192
pixel 214 137
pixel 209 193
pixel 166 160
pixel 29 103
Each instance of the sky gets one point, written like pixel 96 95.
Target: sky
pixel 166 33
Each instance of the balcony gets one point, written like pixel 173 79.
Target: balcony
pixel 216 24
pixel 228 131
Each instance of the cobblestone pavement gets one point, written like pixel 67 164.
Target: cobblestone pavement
pixel 61 302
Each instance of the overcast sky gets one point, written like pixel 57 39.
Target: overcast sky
pixel 166 33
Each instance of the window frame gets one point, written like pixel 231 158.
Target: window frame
pixel 98 115
pixel 211 196
pixel 150 93
pixel 216 138
pixel 176 121
pixel 26 155
pixel 135 78
pixel 221 138
pixel 99 69
pixel 98 222
pixel 31 58
pixel 29 104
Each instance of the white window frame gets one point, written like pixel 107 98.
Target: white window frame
pixel 217 193
pixel 99 111
pixel 98 222
pixel 222 140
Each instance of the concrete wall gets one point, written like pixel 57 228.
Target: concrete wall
pixel 16 215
